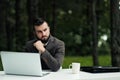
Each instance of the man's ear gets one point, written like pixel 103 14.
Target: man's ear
pixel 49 28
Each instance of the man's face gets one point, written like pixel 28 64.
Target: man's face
pixel 42 32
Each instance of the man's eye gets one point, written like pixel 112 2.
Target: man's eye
pixel 45 30
pixel 39 31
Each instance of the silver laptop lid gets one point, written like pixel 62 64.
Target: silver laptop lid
pixel 21 63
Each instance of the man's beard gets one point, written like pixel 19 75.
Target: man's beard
pixel 44 40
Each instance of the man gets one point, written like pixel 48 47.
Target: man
pixel 52 50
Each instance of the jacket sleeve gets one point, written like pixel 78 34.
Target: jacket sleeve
pixel 54 63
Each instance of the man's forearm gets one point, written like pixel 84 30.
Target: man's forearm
pixel 52 62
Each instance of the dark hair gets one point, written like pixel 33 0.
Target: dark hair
pixel 38 21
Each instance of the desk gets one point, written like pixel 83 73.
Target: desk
pixel 65 74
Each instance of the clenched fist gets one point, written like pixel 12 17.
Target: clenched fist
pixel 39 46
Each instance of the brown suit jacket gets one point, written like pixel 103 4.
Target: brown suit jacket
pixel 53 56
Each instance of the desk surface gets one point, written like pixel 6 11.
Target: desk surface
pixel 65 74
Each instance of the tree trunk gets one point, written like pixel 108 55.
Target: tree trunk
pixel 32 6
pixel 2 25
pixel 18 25
pixel 9 35
pixel 41 9
pixel 95 35
pixel 53 17
pixel 92 20
pixel 115 32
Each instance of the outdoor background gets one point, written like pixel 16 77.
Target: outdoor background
pixel 89 28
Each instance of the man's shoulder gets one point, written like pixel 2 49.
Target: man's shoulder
pixel 31 41
pixel 57 40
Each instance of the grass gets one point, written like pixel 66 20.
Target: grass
pixel 104 60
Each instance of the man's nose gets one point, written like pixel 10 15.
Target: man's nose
pixel 43 33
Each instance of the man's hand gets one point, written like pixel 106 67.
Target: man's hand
pixel 39 46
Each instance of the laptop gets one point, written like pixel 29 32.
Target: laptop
pixel 100 69
pixel 22 63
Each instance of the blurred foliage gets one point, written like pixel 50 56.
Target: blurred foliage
pixel 73 28
pixel 71 25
